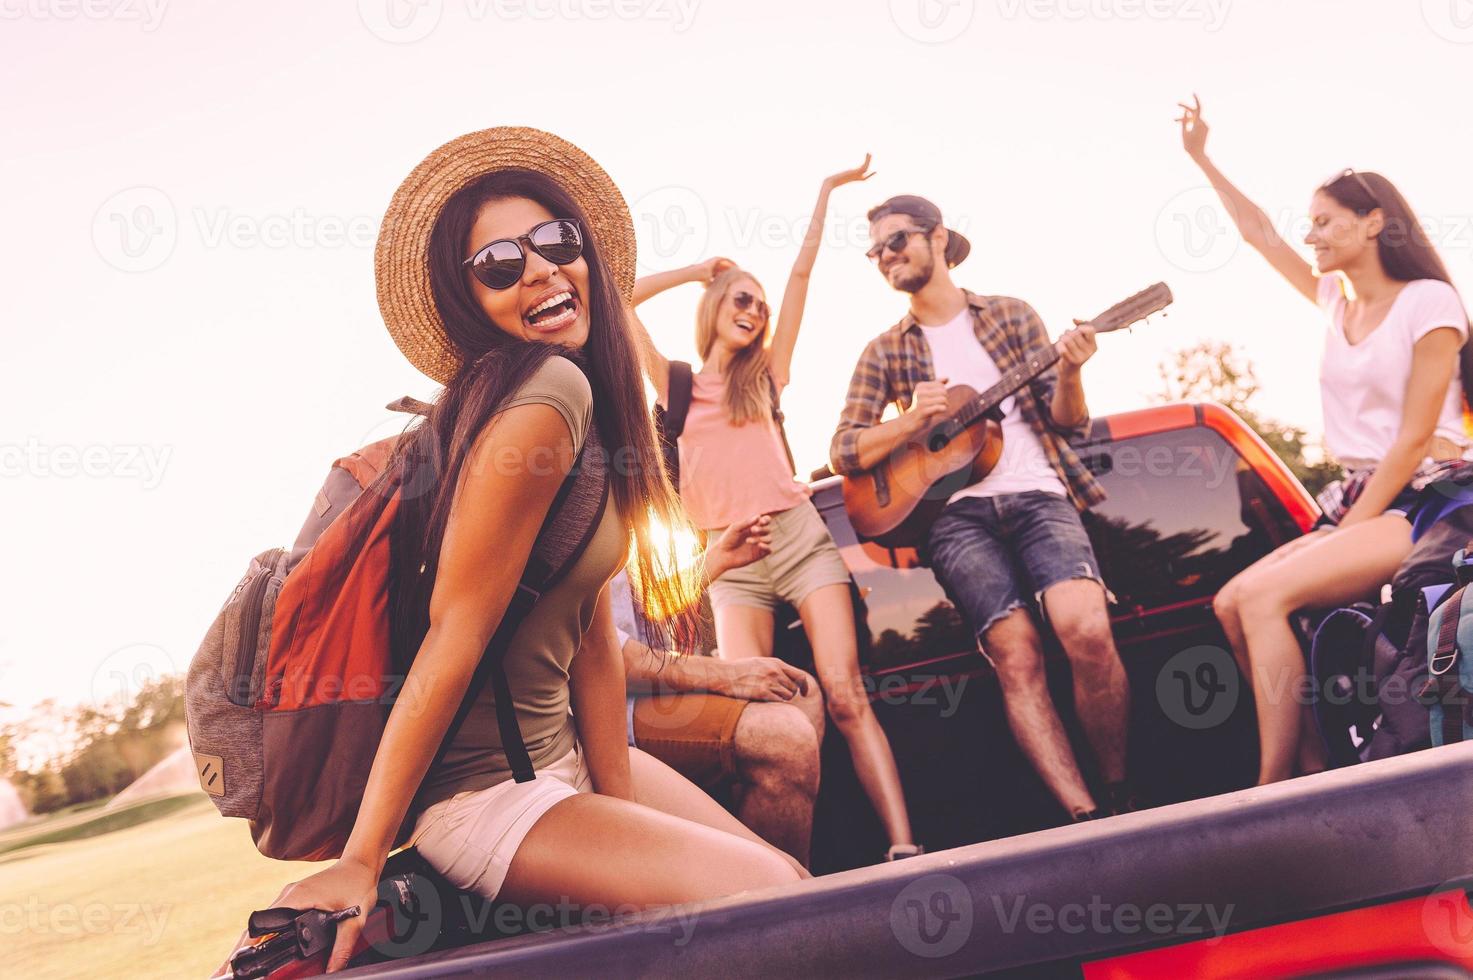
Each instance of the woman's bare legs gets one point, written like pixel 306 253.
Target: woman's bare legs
pixel 1325 569
pixel 828 618
pixel 744 631
pixel 599 850
pixel 661 788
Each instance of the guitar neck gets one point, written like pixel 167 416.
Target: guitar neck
pixel 1036 364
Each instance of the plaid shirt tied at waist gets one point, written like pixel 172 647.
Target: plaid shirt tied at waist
pixel 899 359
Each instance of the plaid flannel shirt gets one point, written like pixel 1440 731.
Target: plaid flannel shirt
pixel 899 359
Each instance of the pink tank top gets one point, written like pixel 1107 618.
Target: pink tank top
pixel 731 472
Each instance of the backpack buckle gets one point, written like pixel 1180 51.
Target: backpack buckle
pixel 1440 663
pixel 523 599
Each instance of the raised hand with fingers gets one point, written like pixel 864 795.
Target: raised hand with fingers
pixel 740 544
pixel 861 172
pixel 1193 129
pixel 704 272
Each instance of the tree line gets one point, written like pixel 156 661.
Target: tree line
pixel 95 750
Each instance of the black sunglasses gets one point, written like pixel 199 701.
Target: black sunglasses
pixel 895 243
pixel 500 264
pixel 1364 184
pixel 743 301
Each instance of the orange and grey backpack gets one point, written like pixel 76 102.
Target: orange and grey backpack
pixel 287 697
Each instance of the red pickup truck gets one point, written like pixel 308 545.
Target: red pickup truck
pixel 1355 872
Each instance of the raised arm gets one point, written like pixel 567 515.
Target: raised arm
pixel 1253 224
pixel 790 318
pixel 493 525
pixel 657 365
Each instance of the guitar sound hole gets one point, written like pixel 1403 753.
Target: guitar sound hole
pixel 938 440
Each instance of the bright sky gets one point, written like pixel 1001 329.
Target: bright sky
pixel 192 192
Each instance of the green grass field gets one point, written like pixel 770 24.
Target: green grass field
pixel 160 889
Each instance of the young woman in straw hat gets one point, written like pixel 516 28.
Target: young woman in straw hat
pixel 733 462
pixel 1392 380
pixel 504 266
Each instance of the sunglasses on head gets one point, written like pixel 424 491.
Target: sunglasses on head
pixel 743 301
pixel 895 243
pixel 500 264
pixel 1364 184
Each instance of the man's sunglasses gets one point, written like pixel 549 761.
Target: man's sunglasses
pixel 1364 184
pixel 500 264
pixel 743 301
pixel 895 243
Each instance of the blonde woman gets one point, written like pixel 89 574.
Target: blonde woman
pixel 733 463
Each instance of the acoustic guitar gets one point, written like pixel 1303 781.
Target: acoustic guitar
pixel 895 503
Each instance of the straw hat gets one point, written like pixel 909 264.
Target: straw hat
pixel 401 258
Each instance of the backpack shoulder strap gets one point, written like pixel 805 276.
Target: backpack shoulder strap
pixel 677 399
pixel 777 419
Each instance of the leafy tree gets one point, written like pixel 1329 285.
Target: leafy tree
pixel 1217 371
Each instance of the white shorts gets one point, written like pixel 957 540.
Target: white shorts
pixel 472 837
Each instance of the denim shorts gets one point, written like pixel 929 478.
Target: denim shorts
pixel 994 554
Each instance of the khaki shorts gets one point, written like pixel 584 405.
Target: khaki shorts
pixel 472 837
pixel 804 559
pixel 694 734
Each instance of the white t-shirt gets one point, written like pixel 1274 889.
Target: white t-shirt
pixel 960 358
pixel 1363 386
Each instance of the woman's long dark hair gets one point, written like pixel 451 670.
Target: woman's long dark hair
pixel 1403 247
pixel 494 365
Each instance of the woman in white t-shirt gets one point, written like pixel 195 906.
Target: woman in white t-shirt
pixel 1392 387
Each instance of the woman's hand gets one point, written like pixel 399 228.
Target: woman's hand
pixel 1193 129
pixel 704 272
pixel 741 544
pixel 342 885
pixel 861 172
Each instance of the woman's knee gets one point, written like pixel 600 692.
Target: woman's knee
pixel 1225 605
pixel 846 698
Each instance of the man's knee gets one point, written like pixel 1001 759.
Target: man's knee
pixel 1013 646
pixel 776 743
pixel 811 704
pixel 1085 634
